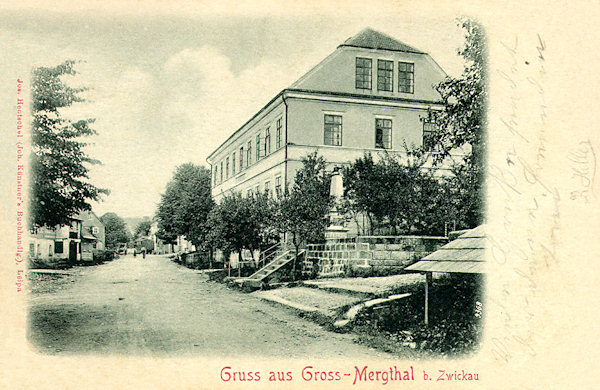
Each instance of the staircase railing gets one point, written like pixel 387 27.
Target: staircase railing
pixel 268 255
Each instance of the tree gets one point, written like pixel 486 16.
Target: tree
pixel 400 196
pixel 143 228
pixel 115 230
pixel 238 223
pixel 232 225
pixel 165 215
pixel 59 172
pixel 303 210
pixel 185 205
pixel 463 122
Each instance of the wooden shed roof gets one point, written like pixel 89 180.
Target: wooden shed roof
pixel 466 254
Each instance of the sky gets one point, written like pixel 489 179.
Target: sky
pixel 168 88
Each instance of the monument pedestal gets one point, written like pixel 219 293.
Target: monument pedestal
pixel 336 232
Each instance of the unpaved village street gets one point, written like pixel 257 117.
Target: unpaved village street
pixel 152 306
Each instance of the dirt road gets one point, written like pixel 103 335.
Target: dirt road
pixel 152 306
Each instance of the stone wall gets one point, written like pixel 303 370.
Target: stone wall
pixel 368 255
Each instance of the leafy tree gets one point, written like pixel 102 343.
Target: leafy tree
pixel 115 230
pixel 143 229
pixel 59 172
pixel 239 223
pixel 165 215
pixel 463 122
pixel 303 210
pixel 185 205
pixel 264 211
pixel 402 197
pixel 231 221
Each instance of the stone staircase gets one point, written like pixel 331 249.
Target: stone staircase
pixel 257 279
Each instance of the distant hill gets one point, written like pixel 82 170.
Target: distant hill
pixel 132 222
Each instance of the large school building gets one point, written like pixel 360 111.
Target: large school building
pixel 372 94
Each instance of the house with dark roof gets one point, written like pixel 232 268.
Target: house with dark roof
pixel 57 246
pixel 61 246
pixel 93 235
pixel 372 94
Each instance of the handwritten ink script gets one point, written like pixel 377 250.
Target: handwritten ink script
pixel 582 161
pixel 525 184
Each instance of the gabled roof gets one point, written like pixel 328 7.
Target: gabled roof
pixel 466 254
pixel 371 39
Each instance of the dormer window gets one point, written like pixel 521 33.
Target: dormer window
pixel 363 73
pixel 406 77
pixel 385 74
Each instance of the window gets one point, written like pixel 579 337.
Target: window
pixel 241 158
pixel 278 186
pixel 406 77
pixel 249 154
pixel 232 163
pixel 58 247
pixel 383 133
pixel 221 173
pixel 267 187
pixel 363 73
pixel 278 134
pixel 95 230
pixel 216 172
pixel 249 193
pixel 385 74
pixel 257 189
pixel 267 142
pixel 333 130
pixel 429 130
pixel 257 147
pixel 227 168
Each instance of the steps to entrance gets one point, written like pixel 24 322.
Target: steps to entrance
pixel 256 279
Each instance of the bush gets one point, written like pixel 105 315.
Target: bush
pixel 455 314
pixel 100 256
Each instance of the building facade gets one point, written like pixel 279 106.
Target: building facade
pixel 371 95
pixel 70 244
pixel 93 235
pixel 56 246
